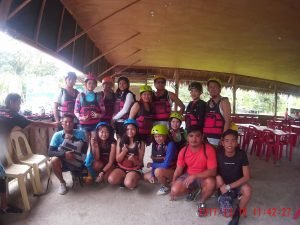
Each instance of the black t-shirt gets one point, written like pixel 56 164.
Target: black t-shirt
pixel 8 120
pixel 231 168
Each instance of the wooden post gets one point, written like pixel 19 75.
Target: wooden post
pixel 234 94
pixel 4 10
pixel 176 78
pixel 276 98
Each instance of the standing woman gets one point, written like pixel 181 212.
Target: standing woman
pixel 102 153
pixel 129 157
pixel 65 101
pixel 124 99
pixel 89 107
pixel 142 112
pixel 109 98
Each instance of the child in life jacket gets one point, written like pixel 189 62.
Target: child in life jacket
pixel 164 159
pixel 176 133
pixel 101 157
pixel 89 106
pixel 129 157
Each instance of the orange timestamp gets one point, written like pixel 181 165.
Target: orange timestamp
pixel 274 212
pixel 256 212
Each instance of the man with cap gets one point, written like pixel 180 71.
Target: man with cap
pixel 109 98
pixel 163 101
pixel 218 113
pixel 65 101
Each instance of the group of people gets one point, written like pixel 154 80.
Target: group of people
pixel 203 157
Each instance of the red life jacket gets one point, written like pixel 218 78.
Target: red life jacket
pixel 128 164
pixel 193 113
pixel 144 120
pixel 88 107
pixel 5 113
pixel 104 153
pixel 109 102
pixel 162 107
pixel 214 121
pixel 67 102
pixel 159 152
pixel 120 98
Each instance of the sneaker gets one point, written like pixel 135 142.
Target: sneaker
pixel 62 189
pixel 163 190
pixel 11 209
pixel 193 195
pixel 122 185
pixel 202 210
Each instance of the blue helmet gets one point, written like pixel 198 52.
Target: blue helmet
pixel 130 121
pixel 100 124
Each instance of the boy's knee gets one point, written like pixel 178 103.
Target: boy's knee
pixel 209 183
pixel 158 172
pixel 246 190
pixel 55 162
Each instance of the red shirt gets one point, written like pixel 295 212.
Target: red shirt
pixel 196 162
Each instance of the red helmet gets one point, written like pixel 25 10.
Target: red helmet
pixel 107 80
pixel 90 76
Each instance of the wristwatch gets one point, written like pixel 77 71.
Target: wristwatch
pixel 228 188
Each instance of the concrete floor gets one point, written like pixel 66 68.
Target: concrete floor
pixel 274 186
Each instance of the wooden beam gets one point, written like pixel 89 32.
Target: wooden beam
pixel 93 26
pixel 38 25
pixel 18 9
pixel 4 10
pixel 125 68
pixel 60 27
pixel 110 50
pixel 73 49
pixel 110 68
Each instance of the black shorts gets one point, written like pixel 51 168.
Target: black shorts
pixel 139 172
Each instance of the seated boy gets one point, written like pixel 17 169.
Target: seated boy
pixel 233 174
pixel 67 149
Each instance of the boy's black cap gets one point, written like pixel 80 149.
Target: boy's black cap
pixel 230 131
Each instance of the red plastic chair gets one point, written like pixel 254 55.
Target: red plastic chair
pixel 269 143
pixel 286 141
pixel 252 135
